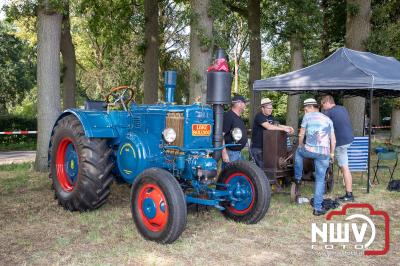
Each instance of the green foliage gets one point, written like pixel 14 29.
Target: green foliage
pixel 16 122
pixel 109 46
pixel 284 19
pixel 174 46
pixel 352 9
pixel 385 35
pixel 17 68
pixel 334 14
pixel 17 142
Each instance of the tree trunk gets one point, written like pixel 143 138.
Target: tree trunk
pixel 376 118
pixel 297 62
pixel 254 21
pixel 395 123
pixel 236 74
pixel 324 34
pixel 152 51
pixel 357 31
pixel 48 78
pixel 201 43
pixel 69 62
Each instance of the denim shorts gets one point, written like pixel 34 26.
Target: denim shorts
pixel 341 155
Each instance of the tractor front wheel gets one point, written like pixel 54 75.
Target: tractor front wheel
pixel 80 167
pixel 249 192
pixel 158 206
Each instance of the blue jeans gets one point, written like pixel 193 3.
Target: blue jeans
pixel 321 164
pixel 233 156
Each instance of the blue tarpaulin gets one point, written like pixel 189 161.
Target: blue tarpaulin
pixel 351 72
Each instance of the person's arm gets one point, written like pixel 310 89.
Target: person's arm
pixel 302 132
pixel 225 156
pixel 226 127
pixel 269 126
pixel 333 145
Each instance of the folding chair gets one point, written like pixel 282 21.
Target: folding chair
pixel 358 156
pixel 384 157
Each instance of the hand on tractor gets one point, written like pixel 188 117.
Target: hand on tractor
pixel 225 157
pixel 289 130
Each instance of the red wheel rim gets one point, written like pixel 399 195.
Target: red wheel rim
pixel 66 157
pixel 153 207
pixel 249 186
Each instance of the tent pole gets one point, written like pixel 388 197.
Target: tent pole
pixel 371 95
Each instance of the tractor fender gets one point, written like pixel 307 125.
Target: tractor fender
pixel 137 152
pixel 96 124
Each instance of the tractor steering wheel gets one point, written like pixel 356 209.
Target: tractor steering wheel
pixel 120 97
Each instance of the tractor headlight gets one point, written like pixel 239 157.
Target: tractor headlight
pixel 169 135
pixel 237 134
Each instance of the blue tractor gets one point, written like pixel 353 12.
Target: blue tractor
pixel 168 152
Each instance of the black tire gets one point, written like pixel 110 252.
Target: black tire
pixel 159 183
pixel 91 185
pixel 261 194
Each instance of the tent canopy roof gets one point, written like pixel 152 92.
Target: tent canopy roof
pixel 348 71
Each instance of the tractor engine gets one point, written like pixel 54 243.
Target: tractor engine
pixel 185 139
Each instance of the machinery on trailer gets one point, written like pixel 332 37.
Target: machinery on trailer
pixel 278 157
pixel 168 152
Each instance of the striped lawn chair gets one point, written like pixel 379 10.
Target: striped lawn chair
pixel 358 155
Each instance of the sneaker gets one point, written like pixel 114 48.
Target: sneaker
pixel 319 212
pixel 346 198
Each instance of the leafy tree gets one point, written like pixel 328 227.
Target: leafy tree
pixel 17 68
pixel 385 40
pixel 108 56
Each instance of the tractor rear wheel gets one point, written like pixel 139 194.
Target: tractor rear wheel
pixel 158 206
pixel 80 167
pixel 250 192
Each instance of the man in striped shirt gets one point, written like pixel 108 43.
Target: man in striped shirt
pixel 320 146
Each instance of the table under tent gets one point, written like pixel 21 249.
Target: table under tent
pixel 346 72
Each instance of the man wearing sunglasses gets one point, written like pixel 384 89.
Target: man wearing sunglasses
pixel 262 121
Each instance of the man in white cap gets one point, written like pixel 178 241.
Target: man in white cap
pixel 264 120
pixel 320 146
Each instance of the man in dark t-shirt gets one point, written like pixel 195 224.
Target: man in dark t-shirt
pixel 344 137
pixel 234 130
pixel 262 121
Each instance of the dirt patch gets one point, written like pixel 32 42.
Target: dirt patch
pixel 36 230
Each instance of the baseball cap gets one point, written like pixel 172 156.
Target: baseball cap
pixel 310 101
pixel 239 98
pixel 265 101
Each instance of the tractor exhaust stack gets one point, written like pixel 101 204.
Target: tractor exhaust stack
pixel 219 81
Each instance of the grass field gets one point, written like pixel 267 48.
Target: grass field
pixel 35 230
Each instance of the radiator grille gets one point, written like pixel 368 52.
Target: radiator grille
pixel 175 121
pixel 137 123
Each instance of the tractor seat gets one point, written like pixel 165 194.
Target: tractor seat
pixel 95 105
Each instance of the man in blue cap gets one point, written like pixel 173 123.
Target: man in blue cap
pixel 233 122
